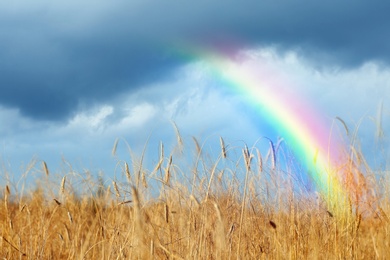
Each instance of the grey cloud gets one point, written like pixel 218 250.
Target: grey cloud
pixel 56 56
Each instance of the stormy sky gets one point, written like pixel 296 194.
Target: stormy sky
pixel 75 75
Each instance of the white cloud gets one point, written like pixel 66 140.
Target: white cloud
pixel 351 93
pixel 200 108
pixel 91 121
pixel 136 117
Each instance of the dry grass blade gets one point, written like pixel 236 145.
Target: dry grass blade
pixel 220 237
pixel 125 202
pixel 344 124
pixel 23 207
pixel 223 148
pixel 171 255
pixel 70 217
pixel 358 222
pixel 161 151
pixel 272 224
pixel 90 249
pixel 211 180
pixel 355 154
pixel 246 152
pixel 384 215
pixel 178 136
pixel 45 169
pixel 152 248
pixel 158 166
pixel 113 152
pixel 195 200
pixel 273 156
pixel 167 176
pixel 13 246
pixel 166 213
pixel 197 146
pixel 278 144
pixel 7 192
pixel 57 202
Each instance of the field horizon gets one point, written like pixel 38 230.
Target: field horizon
pixel 239 204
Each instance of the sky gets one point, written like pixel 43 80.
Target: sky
pixel 75 76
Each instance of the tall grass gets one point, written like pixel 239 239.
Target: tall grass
pixel 239 205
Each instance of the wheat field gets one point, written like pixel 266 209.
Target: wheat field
pixel 238 205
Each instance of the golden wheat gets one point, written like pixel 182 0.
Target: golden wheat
pixel 249 213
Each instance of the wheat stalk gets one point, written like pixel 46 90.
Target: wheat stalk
pixel 139 224
pixel 63 185
pixel 127 171
pixel 7 192
pixel 144 182
pixel 167 171
pixel 260 161
pixel 117 193
pixel 219 233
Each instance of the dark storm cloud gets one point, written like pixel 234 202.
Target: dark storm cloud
pixel 54 56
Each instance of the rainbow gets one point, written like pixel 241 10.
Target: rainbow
pixel 301 126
